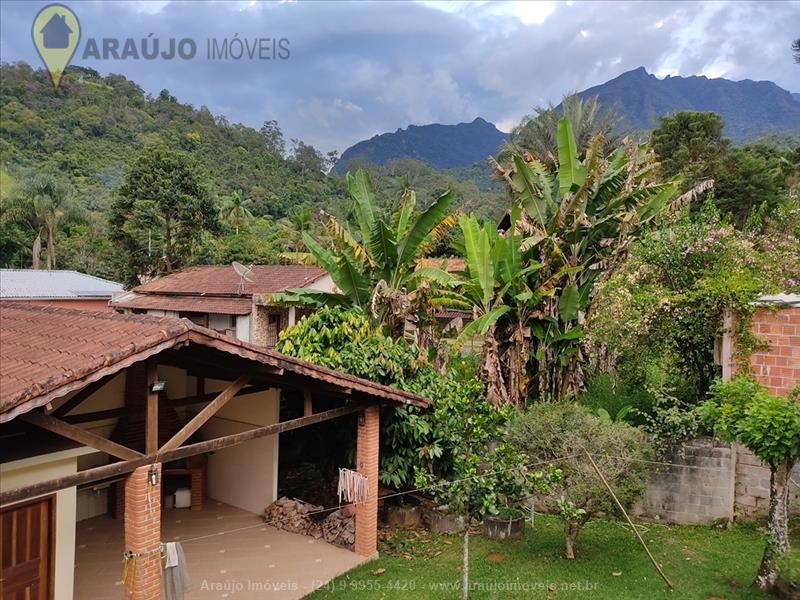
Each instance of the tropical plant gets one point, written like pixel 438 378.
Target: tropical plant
pixel 744 411
pixel 42 202
pixel 557 433
pixel 495 286
pixel 345 339
pixel 537 134
pixel 578 223
pixel 236 210
pixel 375 268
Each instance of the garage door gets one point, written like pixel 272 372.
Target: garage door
pixel 26 554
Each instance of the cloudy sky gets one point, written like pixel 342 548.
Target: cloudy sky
pixel 357 69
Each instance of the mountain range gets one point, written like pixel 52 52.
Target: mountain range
pixel 750 110
pixel 439 146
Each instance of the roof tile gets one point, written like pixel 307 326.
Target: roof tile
pixel 222 280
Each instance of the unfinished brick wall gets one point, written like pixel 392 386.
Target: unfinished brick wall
pixel 367 457
pixel 777 367
pixel 143 532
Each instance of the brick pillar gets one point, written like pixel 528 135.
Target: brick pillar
pixel 367 450
pixel 143 532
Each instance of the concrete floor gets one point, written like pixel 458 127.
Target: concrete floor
pixel 253 562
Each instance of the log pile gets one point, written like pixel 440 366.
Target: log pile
pixel 295 516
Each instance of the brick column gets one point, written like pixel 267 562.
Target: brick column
pixel 367 450
pixel 143 532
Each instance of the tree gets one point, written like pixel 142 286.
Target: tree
pixel 578 223
pixel 796 50
pixel 160 212
pixel 745 179
pixel 236 210
pixel 537 134
pixel 550 431
pixel 376 268
pixel 488 472
pixel 310 160
pixel 744 411
pixel 273 137
pixel 690 144
pixel 45 200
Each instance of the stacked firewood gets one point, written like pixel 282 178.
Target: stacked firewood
pixel 295 516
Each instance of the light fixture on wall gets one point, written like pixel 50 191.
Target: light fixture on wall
pixel 158 386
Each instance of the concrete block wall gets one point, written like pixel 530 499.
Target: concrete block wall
pixel 752 487
pixel 698 489
pixel 710 481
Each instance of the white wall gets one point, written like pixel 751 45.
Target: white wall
pixel 246 475
pixel 33 470
pixel 243 327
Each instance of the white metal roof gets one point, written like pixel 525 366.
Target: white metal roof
pixel 783 299
pixel 32 283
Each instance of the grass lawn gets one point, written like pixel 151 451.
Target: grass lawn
pixel 702 562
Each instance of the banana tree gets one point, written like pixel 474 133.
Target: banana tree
pixel 375 266
pixel 578 221
pixel 496 286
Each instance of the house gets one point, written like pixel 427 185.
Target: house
pixel 56 32
pixel 69 289
pixel 219 298
pixel 94 403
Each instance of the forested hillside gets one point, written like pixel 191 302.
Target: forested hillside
pixel 77 145
pixel 91 128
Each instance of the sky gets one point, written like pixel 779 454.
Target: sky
pixel 359 69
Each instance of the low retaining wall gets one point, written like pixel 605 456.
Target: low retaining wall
pixel 711 481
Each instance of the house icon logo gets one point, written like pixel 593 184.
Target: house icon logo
pixel 56 33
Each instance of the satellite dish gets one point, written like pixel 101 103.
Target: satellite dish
pixel 244 273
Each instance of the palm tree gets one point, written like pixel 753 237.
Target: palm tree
pixel 44 201
pixel 537 134
pixel 375 268
pixel 578 222
pixel 236 209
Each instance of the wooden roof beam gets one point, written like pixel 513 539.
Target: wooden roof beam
pixel 79 435
pixel 208 411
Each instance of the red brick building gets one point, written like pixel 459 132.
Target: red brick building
pixel 776 324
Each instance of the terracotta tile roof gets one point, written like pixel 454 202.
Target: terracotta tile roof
pixel 222 280
pixel 48 352
pixel 450 264
pixel 202 304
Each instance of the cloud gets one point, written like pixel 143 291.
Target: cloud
pixel 358 69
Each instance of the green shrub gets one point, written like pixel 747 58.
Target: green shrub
pixel 549 431
pixel 412 439
pixel 622 401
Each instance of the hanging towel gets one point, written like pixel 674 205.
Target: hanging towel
pixel 171 555
pixel 176 575
pixel 353 486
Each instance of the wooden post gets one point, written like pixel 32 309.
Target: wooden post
pixel 151 436
pixel 308 403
